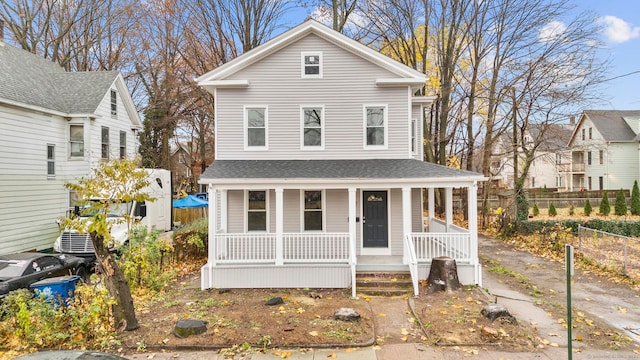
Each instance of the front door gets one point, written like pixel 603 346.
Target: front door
pixel 375 222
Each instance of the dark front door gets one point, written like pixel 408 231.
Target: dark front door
pixel 375 219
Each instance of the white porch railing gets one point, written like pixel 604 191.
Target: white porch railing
pixel 412 260
pixel 316 247
pixel 254 248
pixel 454 245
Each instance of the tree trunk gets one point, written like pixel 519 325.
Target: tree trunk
pixel 443 275
pixel 123 311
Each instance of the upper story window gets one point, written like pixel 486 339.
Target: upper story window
pixel 375 118
pixel 114 104
pixel 582 134
pixel 601 156
pixel 590 133
pixel 588 157
pixel 312 64
pixel 256 122
pixel 51 160
pixel 313 127
pixel 313 214
pixel 257 210
pixel 414 132
pixel 104 149
pixel 76 140
pixel 123 144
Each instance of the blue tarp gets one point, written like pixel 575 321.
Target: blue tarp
pixel 190 202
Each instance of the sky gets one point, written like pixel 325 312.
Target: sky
pixel 620 22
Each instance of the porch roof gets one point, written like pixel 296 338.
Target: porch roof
pixel 221 171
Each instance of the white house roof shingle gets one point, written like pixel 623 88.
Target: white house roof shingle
pixel 32 80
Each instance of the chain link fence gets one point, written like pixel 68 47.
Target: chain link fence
pixel 611 251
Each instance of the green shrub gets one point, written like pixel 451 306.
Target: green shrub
pixel 605 208
pixel 552 210
pixel 620 207
pixel 536 211
pixel 587 208
pixel 190 241
pixel 635 199
pixel 142 260
pixel 572 210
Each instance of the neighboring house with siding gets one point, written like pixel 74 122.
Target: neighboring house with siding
pixel 54 127
pixel 604 150
pixel 319 173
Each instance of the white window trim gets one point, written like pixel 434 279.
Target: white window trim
pixel 84 141
pixel 53 160
pixel 364 127
pixel 322 122
pixel 245 114
pixel 246 211
pixel 302 64
pixel 324 211
pixel 114 113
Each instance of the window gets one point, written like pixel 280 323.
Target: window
pixel 590 133
pixel 114 104
pixel 414 132
pixel 376 125
pixel 256 211
pixel 105 143
pixel 313 210
pixel 558 158
pixel 311 64
pixel 312 127
pixel 76 140
pixel 589 183
pixel 582 134
pixel 256 122
pixel 51 160
pixel 123 144
pixel 601 157
pixel 533 182
pixel 588 157
pixel 601 182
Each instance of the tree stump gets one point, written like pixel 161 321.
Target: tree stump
pixel 443 275
pixel 186 327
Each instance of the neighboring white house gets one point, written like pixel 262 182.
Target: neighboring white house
pixel 54 126
pixel 318 170
pixel 604 150
pixel 549 158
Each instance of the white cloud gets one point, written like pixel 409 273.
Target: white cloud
pixel 618 30
pixel 552 30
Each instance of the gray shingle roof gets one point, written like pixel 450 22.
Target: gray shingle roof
pixel 332 169
pixel 611 125
pixel 30 79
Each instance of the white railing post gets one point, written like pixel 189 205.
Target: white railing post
pixel 279 226
pixel 352 239
pixel 412 260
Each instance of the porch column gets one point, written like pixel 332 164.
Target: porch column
pixel 223 210
pixel 352 238
pixel 472 210
pixel 431 206
pixel 211 236
pixel 448 203
pixel 279 225
pixel 406 218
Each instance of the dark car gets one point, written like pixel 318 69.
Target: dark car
pixel 20 270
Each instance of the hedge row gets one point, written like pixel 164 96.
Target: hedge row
pixel 620 227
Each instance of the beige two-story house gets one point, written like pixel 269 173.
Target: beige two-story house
pixel 319 173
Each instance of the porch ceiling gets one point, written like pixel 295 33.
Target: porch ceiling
pixel 389 170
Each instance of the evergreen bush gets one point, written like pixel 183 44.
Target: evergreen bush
pixel 635 199
pixel 605 208
pixel 536 211
pixel 572 210
pixel 552 210
pixel 620 208
pixel 587 208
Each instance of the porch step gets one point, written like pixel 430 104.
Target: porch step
pixel 388 283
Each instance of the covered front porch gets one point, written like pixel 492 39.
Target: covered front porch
pixel 358 224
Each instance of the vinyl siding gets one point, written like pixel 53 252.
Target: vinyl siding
pixel 348 83
pixel 622 166
pixel 30 201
